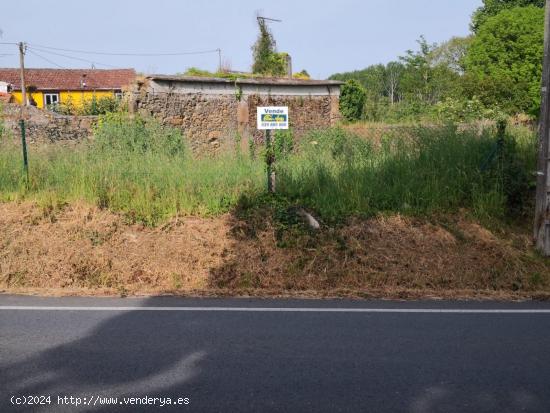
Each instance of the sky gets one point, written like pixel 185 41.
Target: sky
pixel 322 37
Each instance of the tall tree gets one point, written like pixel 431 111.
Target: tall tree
pixel 392 78
pixel 505 58
pixel 452 53
pixel 493 7
pixel 425 80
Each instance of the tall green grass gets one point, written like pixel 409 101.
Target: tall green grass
pixel 133 166
pixel 140 168
pixel 431 170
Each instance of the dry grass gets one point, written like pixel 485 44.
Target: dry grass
pixel 80 249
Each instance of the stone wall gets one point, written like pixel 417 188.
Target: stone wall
pixel 305 112
pixel 207 122
pixel 46 127
pixel 213 122
pixel 213 114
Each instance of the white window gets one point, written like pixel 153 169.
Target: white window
pixel 119 94
pixel 51 99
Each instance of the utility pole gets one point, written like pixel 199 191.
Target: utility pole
pixel 22 47
pixel 542 208
pixel 219 59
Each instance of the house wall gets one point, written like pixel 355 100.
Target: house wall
pixel 76 97
pixel 37 96
pixel 215 115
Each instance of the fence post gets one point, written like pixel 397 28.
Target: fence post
pixel 24 147
pixel 269 160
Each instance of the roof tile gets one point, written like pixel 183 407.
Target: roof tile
pixel 69 79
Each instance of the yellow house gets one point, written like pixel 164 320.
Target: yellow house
pixel 47 87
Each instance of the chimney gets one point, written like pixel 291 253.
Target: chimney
pixel 289 66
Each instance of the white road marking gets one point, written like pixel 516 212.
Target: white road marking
pixel 282 309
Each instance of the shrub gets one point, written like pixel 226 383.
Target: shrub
pixel 462 110
pixel 119 132
pixel 90 107
pixel 352 100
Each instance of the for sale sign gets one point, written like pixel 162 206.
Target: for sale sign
pixel 272 117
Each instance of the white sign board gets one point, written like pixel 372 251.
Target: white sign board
pixel 272 117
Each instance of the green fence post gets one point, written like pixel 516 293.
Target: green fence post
pixel 269 161
pixel 24 147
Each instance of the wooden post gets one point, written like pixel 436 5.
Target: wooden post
pixel 22 71
pixel 542 207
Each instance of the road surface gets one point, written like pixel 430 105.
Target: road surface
pixel 254 355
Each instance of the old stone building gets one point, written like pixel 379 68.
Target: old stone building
pixel 214 111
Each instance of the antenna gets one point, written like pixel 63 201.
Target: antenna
pixel 268 18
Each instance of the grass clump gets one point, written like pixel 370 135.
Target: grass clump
pixel 135 166
pixel 139 167
pixel 431 170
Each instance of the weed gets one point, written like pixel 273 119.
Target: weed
pixel 143 169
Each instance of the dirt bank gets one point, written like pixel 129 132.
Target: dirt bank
pixel 79 249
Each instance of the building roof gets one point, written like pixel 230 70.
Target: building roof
pixel 247 80
pixel 69 79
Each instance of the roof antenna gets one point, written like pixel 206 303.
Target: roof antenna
pixel 268 18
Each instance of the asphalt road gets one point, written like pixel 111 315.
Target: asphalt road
pixel 240 355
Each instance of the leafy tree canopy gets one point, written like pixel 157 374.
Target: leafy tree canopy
pixel 493 7
pixel 507 52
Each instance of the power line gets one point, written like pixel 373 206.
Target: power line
pixel 73 57
pixel 46 59
pixel 129 54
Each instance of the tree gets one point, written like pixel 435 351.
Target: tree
pixel 451 53
pixel 505 59
pixel 266 59
pixel 493 7
pixel 392 78
pixel 426 80
pixel 352 100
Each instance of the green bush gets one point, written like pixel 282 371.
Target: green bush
pixel 352 100
pixel 121 133
pixel 462 110
pixel 90 107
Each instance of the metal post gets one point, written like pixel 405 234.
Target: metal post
pixel 22 48
pixel 269 161
pixel 542 207
pixel 24 146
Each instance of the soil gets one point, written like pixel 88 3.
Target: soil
pixel 82 250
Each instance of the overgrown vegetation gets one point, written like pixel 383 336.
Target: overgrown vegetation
pixel 433 170
pixel 352 100
pixel 135 166
pixel 143 169
pixel 267 61
pixel 495 70
pixel 89 107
